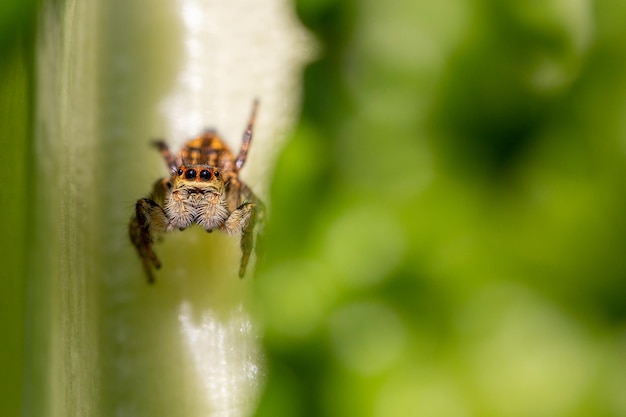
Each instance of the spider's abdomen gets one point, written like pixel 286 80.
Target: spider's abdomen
pixel 208 149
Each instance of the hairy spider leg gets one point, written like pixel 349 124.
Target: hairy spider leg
pixel 149 220
pixel 247 137
pixel 241 221
pixel 247 243
pixel 170 160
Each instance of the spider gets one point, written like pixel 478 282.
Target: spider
pixel 204 189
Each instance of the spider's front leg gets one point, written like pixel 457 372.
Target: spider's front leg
pixel 148 221
pixel 242 221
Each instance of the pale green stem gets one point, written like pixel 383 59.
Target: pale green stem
pixel 112 76
pixel 61 373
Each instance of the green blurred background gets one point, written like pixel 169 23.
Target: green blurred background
pixel 458 172
pixel 446 234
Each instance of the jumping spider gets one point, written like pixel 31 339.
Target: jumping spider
pixel 204 189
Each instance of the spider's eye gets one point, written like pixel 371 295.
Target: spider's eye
pixel 190 174
pixel 180 171
pixel 205 174
pixel 217 174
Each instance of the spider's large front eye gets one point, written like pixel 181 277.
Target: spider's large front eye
pixel 205 174
pixel 190 174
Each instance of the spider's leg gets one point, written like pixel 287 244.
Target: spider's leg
pixel 246 244
pixel 149 220
pixel 241 221
pixel 247 137
pixel 168 156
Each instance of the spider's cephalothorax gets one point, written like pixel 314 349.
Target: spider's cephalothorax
pixel 203 189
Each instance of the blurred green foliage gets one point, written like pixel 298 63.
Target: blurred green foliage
pixel 447 232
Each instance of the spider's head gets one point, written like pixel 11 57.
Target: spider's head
pixel 198 178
